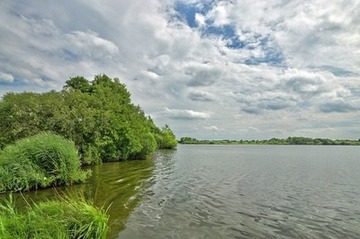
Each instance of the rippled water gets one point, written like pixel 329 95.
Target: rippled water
pixel 209 191
pixel 117 187
pixel 229 191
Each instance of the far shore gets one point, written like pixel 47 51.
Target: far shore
pixel 273 141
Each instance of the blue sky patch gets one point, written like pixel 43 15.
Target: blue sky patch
pixel 187 12
pixel 226 32
pixel 273 53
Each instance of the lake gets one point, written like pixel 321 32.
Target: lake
pixel 230 191
pixel 227 191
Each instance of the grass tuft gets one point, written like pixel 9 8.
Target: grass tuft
pixel 40 161
pixel 64 219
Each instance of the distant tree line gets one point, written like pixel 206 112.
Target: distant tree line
pixel 274 141
pixel 97 116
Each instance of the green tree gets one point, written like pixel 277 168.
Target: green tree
pixel 98 116
pixel 166 138
pixel 78 83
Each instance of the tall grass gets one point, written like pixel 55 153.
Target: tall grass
pixel 40 161
pixel 64 219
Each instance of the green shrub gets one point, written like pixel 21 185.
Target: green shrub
pixel 68 218
pixel 98 116
pixel 39 161
pixel 166 138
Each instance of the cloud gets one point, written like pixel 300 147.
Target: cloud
pixel 90 44
pixel 39 52
pixel 253 129
pixel 219 15
pixel 276 103
pixel 281 67
pixel 251 110
pixel 306 82
pixel 201 96
pixel 200 19
pixel 212 127
pixel 202 75
pixel 186 114
pixel 7 78
pixel 322 28
pixel 338 106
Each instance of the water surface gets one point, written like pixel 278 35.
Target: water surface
pixel 227 191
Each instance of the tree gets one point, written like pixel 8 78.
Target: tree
pixel 166 138
pixel 98 116
pixel 78 83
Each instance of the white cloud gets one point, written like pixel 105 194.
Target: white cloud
pixel 6 77
pixel 91 45
pixel 219 14
pixel 200 19
pixel 297 65
pixel 186 114
pixel 212 127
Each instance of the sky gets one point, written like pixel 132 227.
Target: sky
pixel 210 69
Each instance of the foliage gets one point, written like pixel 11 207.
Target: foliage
pixel 274 141
pixel 39 161
pixel 98 116
pixel 166 138
pixel 68 218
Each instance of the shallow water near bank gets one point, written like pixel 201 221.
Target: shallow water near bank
pixel 230 191
pixel 116 187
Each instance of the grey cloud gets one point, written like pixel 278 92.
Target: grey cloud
pixel 202 77
pixel 259 105
pixel 305 86
pixel 201 96
pixel 277 103
pixel 337 106
pixel 156 70
pixel 337 71
pixel 251 110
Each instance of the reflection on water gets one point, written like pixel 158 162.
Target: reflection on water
pixel 119 186
pixel 116 186
pixel 229 191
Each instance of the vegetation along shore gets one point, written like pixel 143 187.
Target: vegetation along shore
pixel 65 218
pixel 274 141
pixel 45 139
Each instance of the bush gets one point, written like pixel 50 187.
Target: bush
pixel 97 116
pixel 166 138
pixel 69 218
pixel 40 161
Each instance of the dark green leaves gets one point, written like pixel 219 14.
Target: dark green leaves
pixel 98 116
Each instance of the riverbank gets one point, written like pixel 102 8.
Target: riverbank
pixel 275 141
pixel 64 218
pixel 40 161
pixel 117 187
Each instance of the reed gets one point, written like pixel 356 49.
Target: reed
pixel 40 161
pixel 66 218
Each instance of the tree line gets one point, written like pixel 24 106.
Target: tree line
pixel 274 141
pixel 98 116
